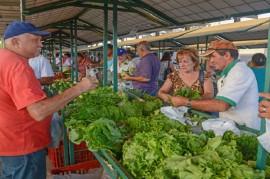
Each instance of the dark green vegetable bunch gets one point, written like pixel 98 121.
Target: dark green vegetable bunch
pixel 61 86
pixel 151 104
pixel 188 93
pixel 103 134
pixel 155 123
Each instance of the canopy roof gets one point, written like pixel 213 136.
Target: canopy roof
pixel 134 16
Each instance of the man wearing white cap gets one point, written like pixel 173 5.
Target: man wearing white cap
pixel 25 111
pixel 237 96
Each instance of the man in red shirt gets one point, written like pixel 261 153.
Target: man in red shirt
pixel 25 111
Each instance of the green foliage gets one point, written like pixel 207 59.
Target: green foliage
pixel 184 155
pixel 103 134
pixel 188 93
pixel 61 86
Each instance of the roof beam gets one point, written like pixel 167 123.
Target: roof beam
pixel 79 27
pixel 61 4
pixel 55 24
pixel 80 39
pixel 97 29
pixel 49 6
pixel 155 12
pixel 227 17
pixel 67 35
pixel 9 3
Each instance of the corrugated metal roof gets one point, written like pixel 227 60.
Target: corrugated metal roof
pixel 134 16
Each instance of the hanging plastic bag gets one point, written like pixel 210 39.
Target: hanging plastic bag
pixel 175 113
pixel 57 130
pixel 264 139
pixel 220 126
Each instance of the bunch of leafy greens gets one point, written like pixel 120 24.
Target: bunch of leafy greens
pixel 157 123
pixel 188 93
pixel 103 134
pixel 150 104
pixel 183 155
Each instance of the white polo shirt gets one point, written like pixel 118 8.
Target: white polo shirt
pixel 238 87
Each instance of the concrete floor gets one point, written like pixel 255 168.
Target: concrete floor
pixel 49 167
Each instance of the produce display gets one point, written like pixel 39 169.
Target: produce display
pixel 150 145
pixel 61 85
pixel 188 93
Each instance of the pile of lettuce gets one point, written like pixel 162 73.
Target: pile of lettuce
pixel 184 155
pixel 100 117
pixel 188 93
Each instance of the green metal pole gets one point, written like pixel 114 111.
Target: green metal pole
pixel 158 49
pixel 22 8
pixel 115 65
pixel 73 62
pixel 76 50
pixel 60 52
pixel 65 141
pixel 53 56
pixel 71 48
pixel 262 154
pixel 198 43
pixel 105 46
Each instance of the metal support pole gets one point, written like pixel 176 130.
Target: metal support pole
pixel 105 46
pixel 60 52
pixel 262 154
pixel 22 7
pixel 115 65
pixel 76 51
pixel 71 49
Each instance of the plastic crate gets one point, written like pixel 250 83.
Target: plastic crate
pixel 81 154
pixel 77 168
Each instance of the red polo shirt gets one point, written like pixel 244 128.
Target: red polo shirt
pixel 19 133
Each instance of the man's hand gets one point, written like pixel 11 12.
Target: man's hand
pixel 178 101
pixel 87 84
pixel 126 77
pixel 264 106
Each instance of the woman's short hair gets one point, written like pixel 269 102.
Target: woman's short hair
pixel 144 45
pixel 79 55
pixel 193 53
pixel 166 57
pixel 258 59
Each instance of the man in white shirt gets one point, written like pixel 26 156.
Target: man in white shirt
pixel 237 97
pixel 43 69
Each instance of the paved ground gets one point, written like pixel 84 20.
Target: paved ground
pixel 49 167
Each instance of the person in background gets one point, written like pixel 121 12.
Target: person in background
pixel 250 64
pixel 110 59
pixel 187 76
pixel 264 106
pixel 25 110
pixel 165 62
pixel 57 60
pixel 85 56
pixel 237 97
pixel 66 61
pixel 258 67
pixel 131 57
pixel 43 70
pixel 124 64
pixel 145 77
pixel 83 64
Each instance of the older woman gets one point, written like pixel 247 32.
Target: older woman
pixel 187 76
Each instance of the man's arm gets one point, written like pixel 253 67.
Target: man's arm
pixel 45 107
pixel 136 78
pixel 46 80
pixel 210 105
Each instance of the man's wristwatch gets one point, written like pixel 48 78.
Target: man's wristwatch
pixel 189 103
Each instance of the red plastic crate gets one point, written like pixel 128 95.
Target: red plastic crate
pixel 81 154
pixel 77 168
